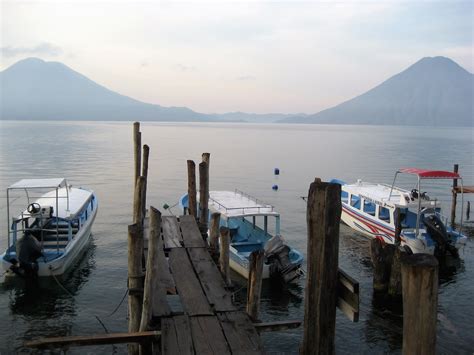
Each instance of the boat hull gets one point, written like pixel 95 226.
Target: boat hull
pixel 69 257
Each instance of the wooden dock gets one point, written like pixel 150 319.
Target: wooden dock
pixel 207 321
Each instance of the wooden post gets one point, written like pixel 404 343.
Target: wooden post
pixel 151 267
pixel 146 154
pixel 192 203
pixel 254 284
pixel 137 201
pixel 381 261
pixel 214 234
pixel 420 302
pixel 135 281
pixel 137 145
pixel 203 198
pixel 455 195
pixel 468 210
pixel 224 255
pixel 206 157
pixel 323 217
pixel 395 283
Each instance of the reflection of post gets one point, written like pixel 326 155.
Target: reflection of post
pixel 192 203
pixel 214 234
pixel 135 282
pixel 323 217
pixel 224 255
pixel 420 302
pixel 455 195
pixel 255 283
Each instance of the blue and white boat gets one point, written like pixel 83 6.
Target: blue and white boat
pixel 249 222
pixel 48 236
pixel 370 208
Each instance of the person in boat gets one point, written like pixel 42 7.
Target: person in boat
pixel 28 250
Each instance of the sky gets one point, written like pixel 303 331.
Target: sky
pixel 250 56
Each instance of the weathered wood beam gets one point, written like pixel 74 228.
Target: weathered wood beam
pixel 87 340
pixel 277 326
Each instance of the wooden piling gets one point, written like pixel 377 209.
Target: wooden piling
pixel 151 267
pixel 214 234
pixel 454 199
pixel 254 285
pixel 192 202
pixel 395 283
pixel 420 302
pixel 224 255
pixel 135 281
pixel 203 197
pixel 137 145
pixel 468 210
pixel 138 201
pixel 381 255
pixel 206 157
pixel 146 154
pixel 323 217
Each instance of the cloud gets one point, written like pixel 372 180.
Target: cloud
pixel 185 68
pixel 42 49
pixel 246 78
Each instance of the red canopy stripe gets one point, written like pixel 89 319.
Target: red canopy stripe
pixel 430 174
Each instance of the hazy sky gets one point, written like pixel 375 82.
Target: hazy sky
pixel 252 56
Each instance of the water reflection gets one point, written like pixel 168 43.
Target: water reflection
pixel 47 306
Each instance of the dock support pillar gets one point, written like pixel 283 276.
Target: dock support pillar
pixel 224 255
pixel 254 285
pixel 135 281
pixel 203 198
pixel 454 200
pixel 323 217
pixel 420 302
pixel 214 235
pixel 192 194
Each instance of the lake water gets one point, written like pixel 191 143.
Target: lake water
pixel 99 156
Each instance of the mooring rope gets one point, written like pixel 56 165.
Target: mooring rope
pixel 116 308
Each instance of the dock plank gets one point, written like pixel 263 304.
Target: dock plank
pixel 211 280
pixel 208 337
pixel 191 235
pixel 175 336
pixel 192 296
pixel 161 283
pixel 171 232
pixel 240 333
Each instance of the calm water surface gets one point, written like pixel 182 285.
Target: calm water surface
pixel 99 156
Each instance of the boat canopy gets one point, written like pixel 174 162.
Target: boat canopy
pixel 238 204
pixel 39 183
pixel 430 174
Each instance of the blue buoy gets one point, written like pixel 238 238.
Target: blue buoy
pixel 276 171
pixel 275 187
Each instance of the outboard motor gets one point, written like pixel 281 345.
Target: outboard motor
pixel 278 255
pixel 437 230
pixel 28 250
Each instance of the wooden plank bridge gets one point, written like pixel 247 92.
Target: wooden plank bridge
pixel 208 322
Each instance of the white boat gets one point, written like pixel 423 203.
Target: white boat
pixel 370 208
pixel 48 236
pixel 248 221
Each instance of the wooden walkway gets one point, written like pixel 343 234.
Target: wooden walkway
pixel 207 322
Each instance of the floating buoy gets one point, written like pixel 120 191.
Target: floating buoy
pixel 275 187
pixel 276 171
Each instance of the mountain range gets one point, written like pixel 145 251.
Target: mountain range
pixel 434 91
